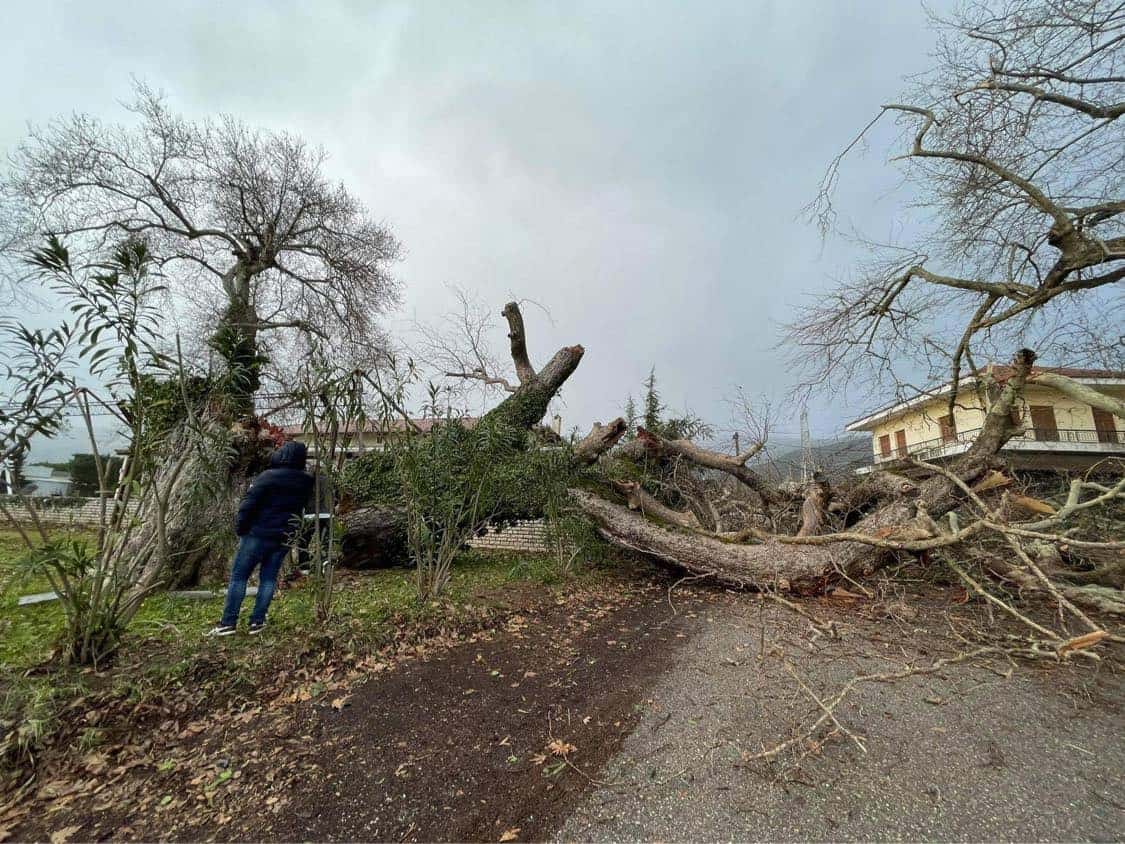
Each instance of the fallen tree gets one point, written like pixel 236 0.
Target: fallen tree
pixel 811 564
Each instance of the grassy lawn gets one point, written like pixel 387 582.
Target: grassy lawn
pixel 165 652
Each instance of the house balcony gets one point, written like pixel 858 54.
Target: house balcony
pixel 1062 448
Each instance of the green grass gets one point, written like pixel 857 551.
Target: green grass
pixel 363 603
pixel 27 634
pixel 165 649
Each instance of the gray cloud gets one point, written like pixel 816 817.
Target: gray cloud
pixel 636 167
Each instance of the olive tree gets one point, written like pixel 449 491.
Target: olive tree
pixel 243 219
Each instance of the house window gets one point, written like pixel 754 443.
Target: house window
pixel 1043 422
pixel 900 442
pixel 885 445
pixel 1106 427
pixel 948 428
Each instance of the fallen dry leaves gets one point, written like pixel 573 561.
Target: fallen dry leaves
pixel 560 748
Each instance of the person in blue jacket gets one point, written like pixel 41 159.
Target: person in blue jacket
pixel 270 512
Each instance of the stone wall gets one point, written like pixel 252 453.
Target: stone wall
pixel 53 511
pixel 523 536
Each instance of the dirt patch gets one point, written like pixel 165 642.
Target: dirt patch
pixel 494 737
pixel 453 744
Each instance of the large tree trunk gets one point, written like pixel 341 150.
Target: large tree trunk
pixel 201 496
pixel 374 537
pixel 785 564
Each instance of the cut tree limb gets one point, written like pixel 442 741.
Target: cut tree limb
pixel 639 499
pixel 524 370
pixel 814 509
pixel 600 440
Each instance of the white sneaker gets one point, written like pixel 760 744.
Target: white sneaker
pixel 221 630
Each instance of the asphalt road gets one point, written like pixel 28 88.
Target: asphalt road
pixel 974 752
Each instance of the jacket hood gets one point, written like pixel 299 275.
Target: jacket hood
pixel 290 455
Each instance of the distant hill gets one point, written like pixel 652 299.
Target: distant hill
pixel 837 458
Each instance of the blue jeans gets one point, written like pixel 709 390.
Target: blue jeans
pixel 253 552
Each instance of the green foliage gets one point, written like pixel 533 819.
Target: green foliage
pixel 371 479
pixel 93 626
pixel 167 400
pixel 113 336
pixel 686 427
pixel 237 344
pixel 520 480
pixel 522 410
pixel 84 474
pixel 630 415
pixel 455 480
pixel 653 407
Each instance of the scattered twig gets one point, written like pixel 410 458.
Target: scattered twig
pixel 687 579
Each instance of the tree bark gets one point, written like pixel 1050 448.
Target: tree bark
pixel 201 496
pixel 851 502
pixel 814 509
pixel 374 537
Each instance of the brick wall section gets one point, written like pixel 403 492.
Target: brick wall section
pixel 522 536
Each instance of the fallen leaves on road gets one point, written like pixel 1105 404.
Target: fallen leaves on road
pixel 61 836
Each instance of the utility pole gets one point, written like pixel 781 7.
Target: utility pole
pixel 807 468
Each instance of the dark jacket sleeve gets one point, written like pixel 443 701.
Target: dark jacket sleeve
pixel 248 509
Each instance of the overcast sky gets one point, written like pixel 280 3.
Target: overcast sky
pixel 638 168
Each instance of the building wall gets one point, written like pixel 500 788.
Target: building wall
pixel 1068 412
pixel 366 441
pixel 921 423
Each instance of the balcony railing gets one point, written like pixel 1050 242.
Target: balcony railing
pixel 938 447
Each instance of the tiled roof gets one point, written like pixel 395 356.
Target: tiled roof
pixel 373 426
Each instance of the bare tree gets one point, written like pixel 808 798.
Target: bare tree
pixel 457 348
pixel 1015 147
pixel 244 220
